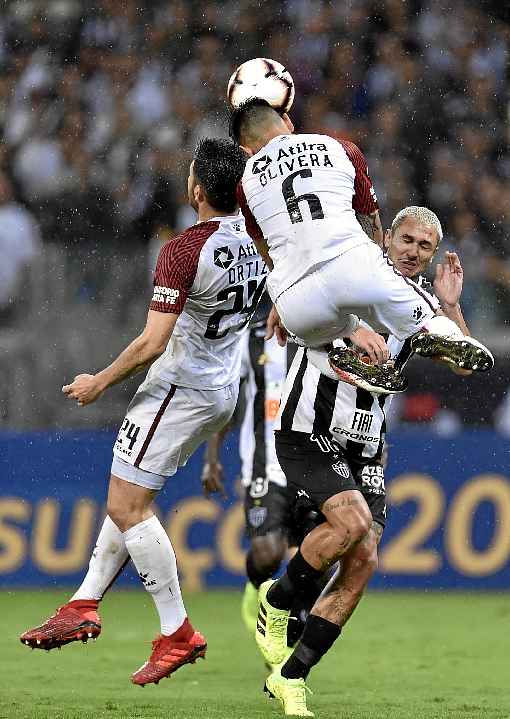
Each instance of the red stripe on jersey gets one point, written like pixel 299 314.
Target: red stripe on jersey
pixel 364 199
pixel 252 227
pixel 177 267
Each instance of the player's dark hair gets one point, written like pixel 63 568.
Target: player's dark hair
pixel 218 168
pixel 249 114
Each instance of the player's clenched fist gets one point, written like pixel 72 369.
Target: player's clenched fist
pixel 372 343
pixel 85 389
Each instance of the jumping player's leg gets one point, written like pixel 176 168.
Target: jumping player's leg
pixel 363 281
pixel 335 606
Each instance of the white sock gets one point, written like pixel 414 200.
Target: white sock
pixel 154 558
pixel 107 559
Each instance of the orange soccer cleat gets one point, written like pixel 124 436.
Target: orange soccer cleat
pixel 76 621
pixel 169 653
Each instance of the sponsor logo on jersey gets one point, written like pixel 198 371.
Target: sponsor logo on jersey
pixel 167 295
pixel 257 516
pixel 342 469
pixel 291 159
pixel 372 479
pixel 261 164
pixel 362 421
pixel 355 436
pixel 223 257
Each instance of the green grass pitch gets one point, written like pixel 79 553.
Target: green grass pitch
pixel 403 656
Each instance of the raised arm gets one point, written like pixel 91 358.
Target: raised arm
pixel 364 201
pixel 448 289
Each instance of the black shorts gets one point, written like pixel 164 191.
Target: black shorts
pixel 271 508
pixel 314 474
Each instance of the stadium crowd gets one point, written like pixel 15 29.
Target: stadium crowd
pixel 101 105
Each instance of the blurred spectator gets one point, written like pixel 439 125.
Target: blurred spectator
pixel 101 104
pixel 20 242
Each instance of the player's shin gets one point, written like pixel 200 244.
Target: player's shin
pixel 299 579
pixel 106 563
pixel 154 558
pixel 318 637
pixel 333 609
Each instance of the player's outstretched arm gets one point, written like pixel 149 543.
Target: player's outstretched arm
pixel 142 351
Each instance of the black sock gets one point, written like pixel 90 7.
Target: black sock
pixel 255 576
pixel 299 579
pixel 318 637
pixel 301 608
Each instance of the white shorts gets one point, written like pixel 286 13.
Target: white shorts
pixel 163 427
pixel 361 281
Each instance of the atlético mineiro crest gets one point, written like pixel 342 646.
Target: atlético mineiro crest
pixel 257 516
pixel 342 469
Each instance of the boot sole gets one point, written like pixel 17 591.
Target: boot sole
pixel 373 378
pixel 457 352
pixel 84 632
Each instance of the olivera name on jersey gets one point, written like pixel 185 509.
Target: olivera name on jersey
pixel 294 157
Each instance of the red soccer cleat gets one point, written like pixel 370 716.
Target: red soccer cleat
pixel 75 621
pixel 169 653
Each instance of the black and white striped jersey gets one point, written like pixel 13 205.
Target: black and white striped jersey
pixel 263 374
pixel 322 407
pixel 317 405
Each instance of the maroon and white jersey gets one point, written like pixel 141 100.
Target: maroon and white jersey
pixel 301 193
pixel 212 276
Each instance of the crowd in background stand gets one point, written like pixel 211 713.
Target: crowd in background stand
pixel 101 105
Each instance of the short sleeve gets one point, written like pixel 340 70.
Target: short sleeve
pixel 364 200
pixel 252 227
pixel 173 278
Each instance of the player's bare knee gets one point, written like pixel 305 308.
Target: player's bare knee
pixel 267 553
pixel 356 521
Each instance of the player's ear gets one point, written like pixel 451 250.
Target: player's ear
pixel 387 240
pixel 247 150
pixel 288 122
pixel 198 194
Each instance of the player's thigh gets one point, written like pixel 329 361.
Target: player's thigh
pixel 164 425
pixel 401 306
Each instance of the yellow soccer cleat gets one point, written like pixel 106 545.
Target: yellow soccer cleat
pixel 291 693
pixel 249 607
pixel 271 631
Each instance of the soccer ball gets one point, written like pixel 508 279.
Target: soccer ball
pixel 263 78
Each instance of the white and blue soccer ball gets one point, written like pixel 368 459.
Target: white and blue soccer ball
pixel 262 78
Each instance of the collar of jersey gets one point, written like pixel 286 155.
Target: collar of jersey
pixel 221 218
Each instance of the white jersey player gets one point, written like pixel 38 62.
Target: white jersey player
pixel 300 195
pixel 206 286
